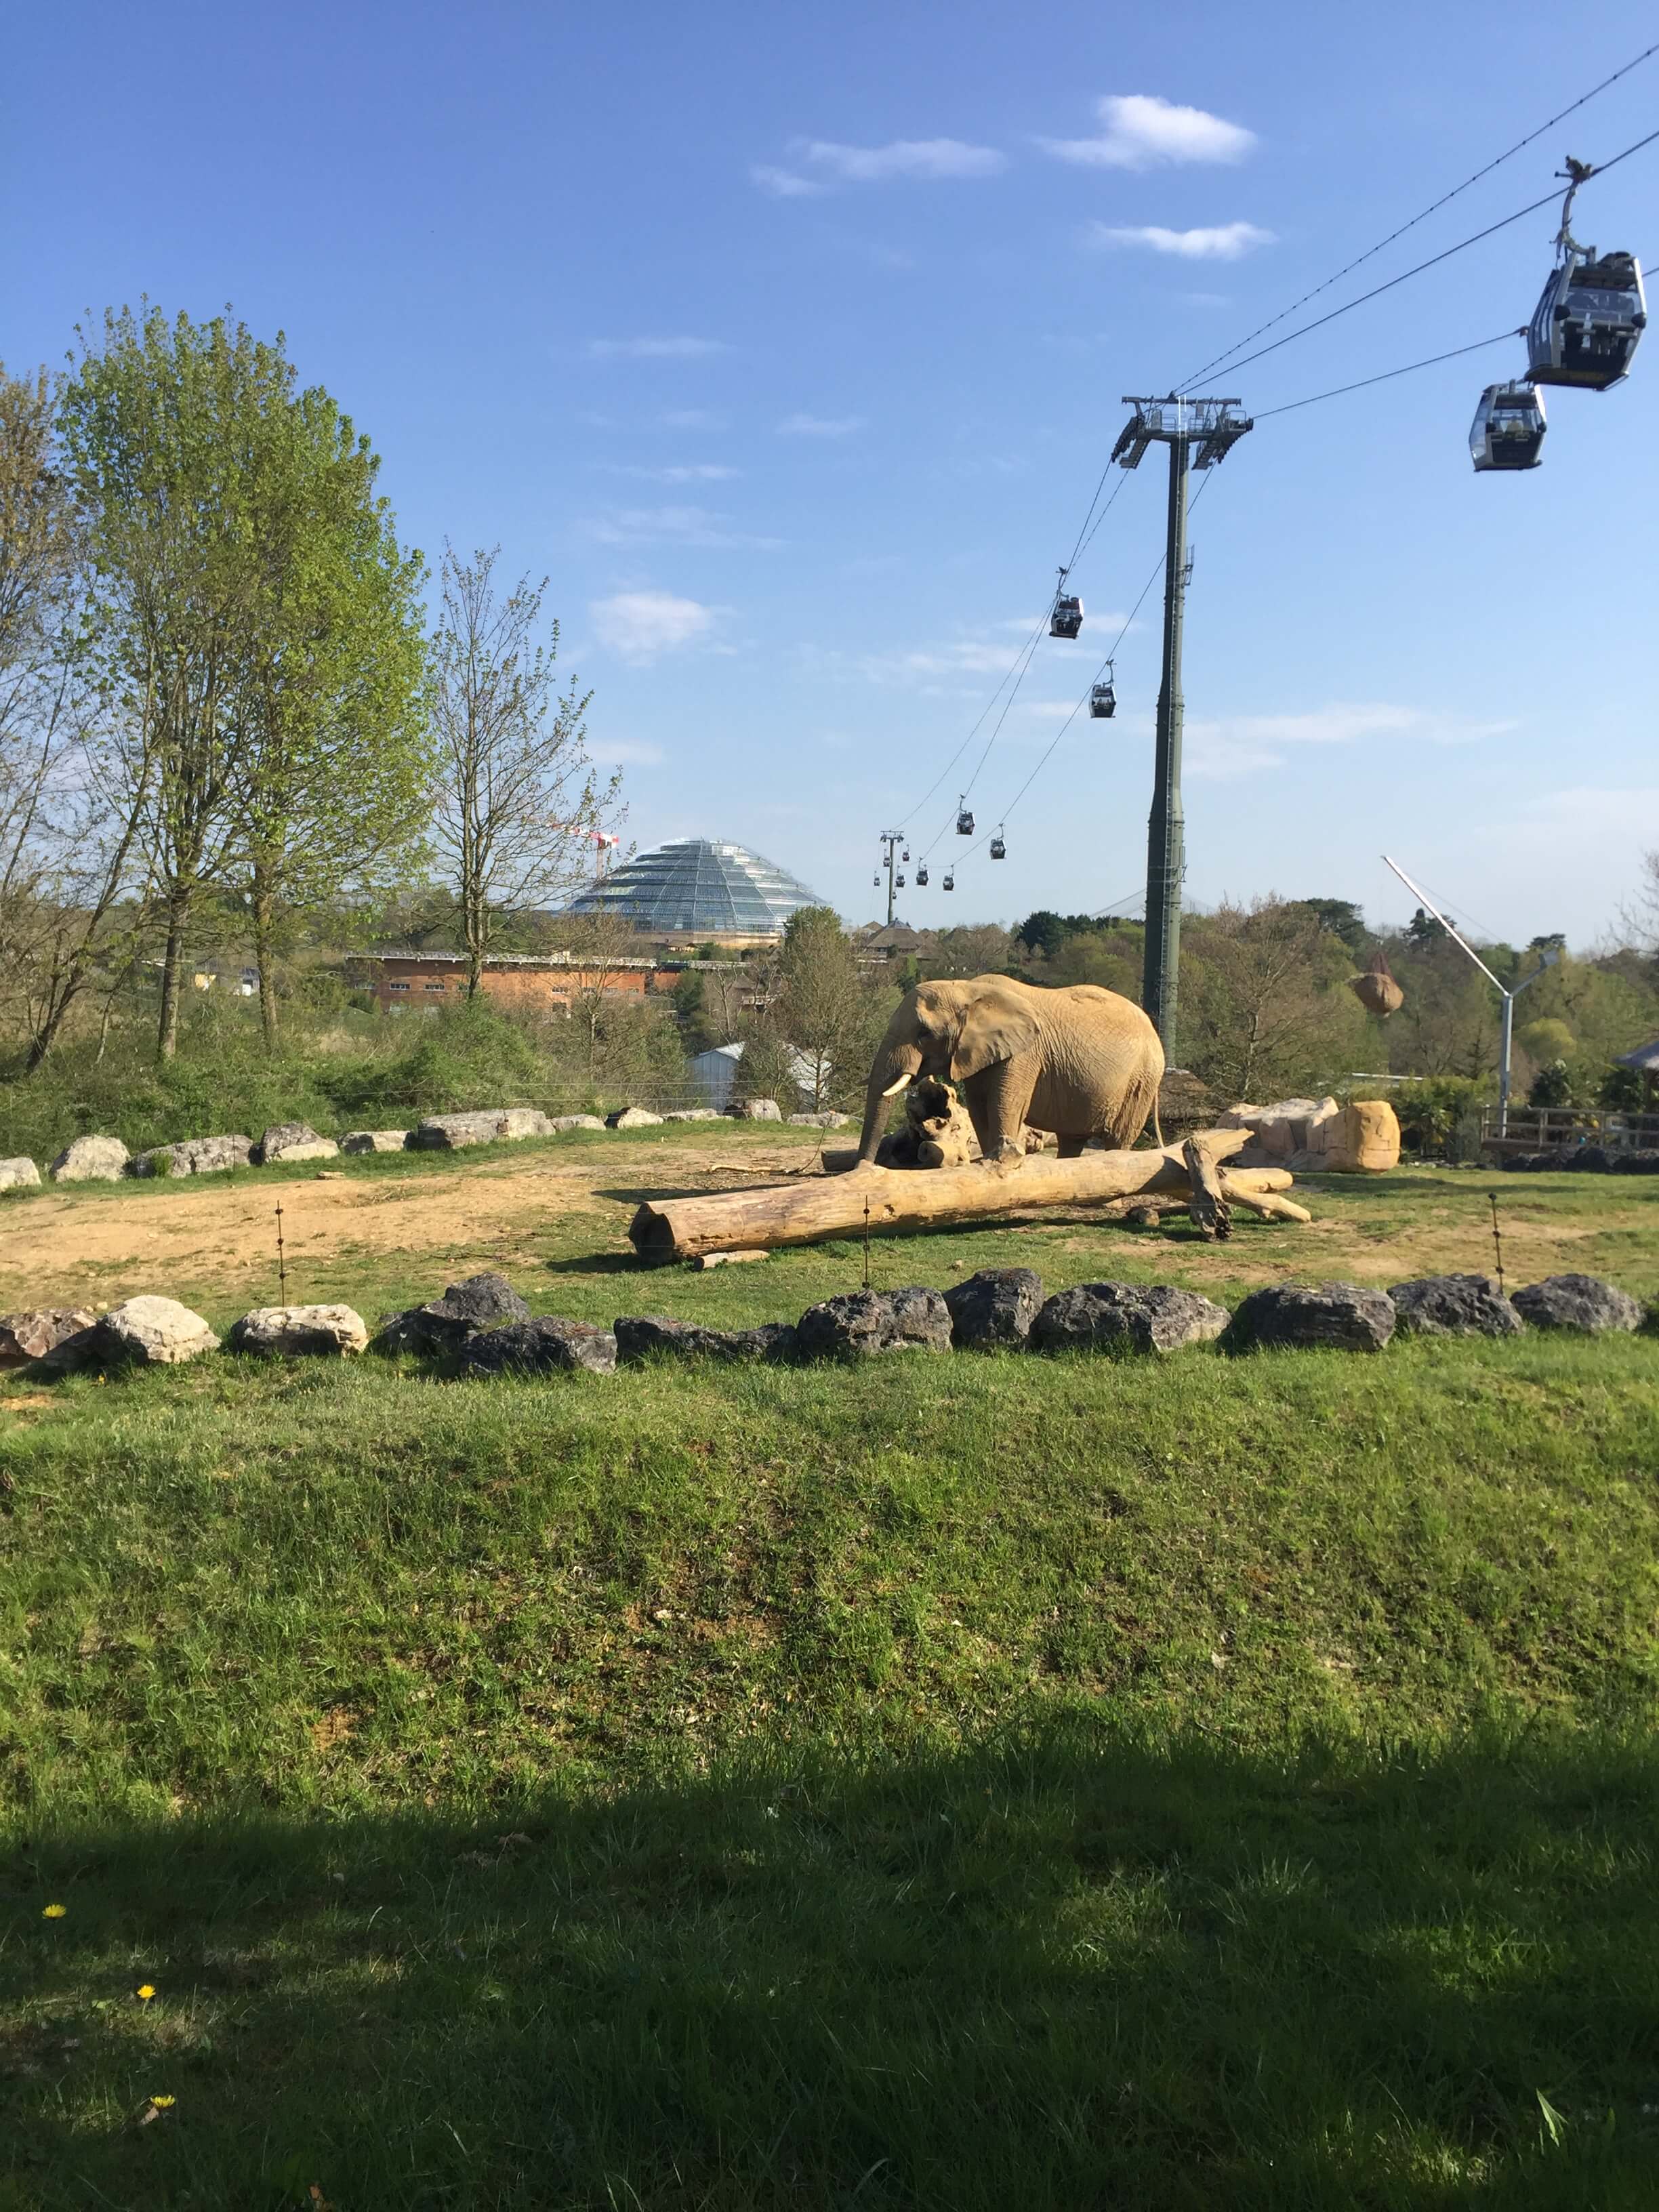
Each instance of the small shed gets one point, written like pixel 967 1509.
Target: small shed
pixel 715 1073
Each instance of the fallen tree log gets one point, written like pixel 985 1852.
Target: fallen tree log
pixel 1211 1215
pixel 671 1229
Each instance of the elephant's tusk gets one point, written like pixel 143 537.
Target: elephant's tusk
pixel 894 1089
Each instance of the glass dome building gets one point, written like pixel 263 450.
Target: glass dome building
pixel 699 888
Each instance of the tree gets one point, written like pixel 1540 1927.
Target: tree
pixel 1425 930
pixel 518 800
pixel 822 1005
pixel 600 947
pixel 975 948
pixel 163 428
pixel 1265 1010
pixel 330 758
pixel 1342 917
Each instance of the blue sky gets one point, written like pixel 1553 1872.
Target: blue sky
pixel 789 343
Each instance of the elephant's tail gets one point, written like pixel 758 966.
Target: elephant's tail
pixel 1158 1126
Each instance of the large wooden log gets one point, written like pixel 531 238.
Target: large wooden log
pixel 1210 1216
pixel 840 1205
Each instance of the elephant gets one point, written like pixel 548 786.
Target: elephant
pixel 1082 1062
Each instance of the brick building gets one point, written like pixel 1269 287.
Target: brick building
pixel 540 982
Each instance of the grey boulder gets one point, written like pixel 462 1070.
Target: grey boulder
pixel 635 1117
pixel 1453 1305
pixel 1127 1317
pixel 819 1120
pixel 30 1335
pixel 696 1113
pixel 562 1122
pixel 545 1345
pixel 18 1173
pixel 90 1159
pixel 448 1323
pixel 448 1133
pixel 996 1306
pixel 195 1156
pixel 862 1323
pixel 293 1140
pixel 641 1335
pixel 294 1332
pixel 1581 1301
pixel 374 1140
pixel 759 1110
pixel 1341 1317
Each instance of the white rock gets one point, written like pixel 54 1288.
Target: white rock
pixel 293 1140
pixel 15 1173
pixel 759 1110
pixel 637 1117
pixel 90 1159
pixel 449 1132
pixel 195 1156
pixel 290 1332
pixel 157 1331
pixel 819 1120
pixel 374 1140
pixel 577 1121
pixel 696 1113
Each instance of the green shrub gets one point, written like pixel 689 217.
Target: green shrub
pixel 1430 1108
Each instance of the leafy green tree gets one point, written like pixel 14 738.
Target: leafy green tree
pixel 330 758
pixel 1265 1013
pixel 1547 1039
pixel 1552 1085
pixel 163 430
pixel 1342 917
pixel 822 1006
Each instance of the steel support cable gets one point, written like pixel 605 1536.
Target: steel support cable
pixel 1433 208
pixel 1116 642
pixel 1337 391
pixel 1433 261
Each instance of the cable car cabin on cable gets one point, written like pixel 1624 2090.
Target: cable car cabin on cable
pixel 1508 430
pixel 1588 321
pixel 949 883
pixel 964 817
pixel 1102 701
pixel 1066 619
pixel 999 850
pixel 921 876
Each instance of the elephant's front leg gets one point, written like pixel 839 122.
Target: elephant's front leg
pixel 997 1100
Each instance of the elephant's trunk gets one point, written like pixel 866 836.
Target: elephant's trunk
pixel 896 1066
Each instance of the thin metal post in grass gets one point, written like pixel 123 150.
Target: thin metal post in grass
pixel 1497 1241
pixel 866 1243
pixel 282 1270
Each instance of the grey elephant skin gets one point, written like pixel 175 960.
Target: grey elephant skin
pixel 1078 1063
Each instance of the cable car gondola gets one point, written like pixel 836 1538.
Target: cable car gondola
pixel 876 879
pixel 905 855
pixel 964 819
pixel 1102 699
pixel 999 850
pixel 1592 310
pixel 1065 615
pixel 899 879
pixel 921 876
pixel 949 883
pixel 1508 430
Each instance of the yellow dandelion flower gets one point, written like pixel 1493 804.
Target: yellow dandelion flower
pixel 162 2104
pixel 145 1992
pixel 53 1911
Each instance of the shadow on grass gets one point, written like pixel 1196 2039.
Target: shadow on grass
pixel 1068 1972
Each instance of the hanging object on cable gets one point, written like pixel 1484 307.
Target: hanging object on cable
pixel 1065 616
pixel 899 879
pixel 876 879
pixel 964 817
pixel 1103 699
pixel 1592 312
pixel 905 855
pixel 921 876
pixel 949 883
pixel 1377 990
pixel 1508 430
pixel 999 850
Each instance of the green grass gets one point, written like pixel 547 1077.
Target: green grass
pixel 985 1781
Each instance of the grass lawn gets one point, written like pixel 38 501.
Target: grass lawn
pixel 978 1782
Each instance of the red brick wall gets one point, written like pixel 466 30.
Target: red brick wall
pixel 402 984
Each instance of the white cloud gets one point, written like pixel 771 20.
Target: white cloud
pixel 676 472
pixel 785 184
pixel 678 525
pixel 1244 743
pixel 640 625
pixel 653 348
pixel 904 157
pixel 820 425
pixel 1142 131
pixel 1225 241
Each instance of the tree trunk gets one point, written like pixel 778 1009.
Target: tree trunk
pixel 1209 1203
pixel 840 1205
pixel 265 907
pixel 172 964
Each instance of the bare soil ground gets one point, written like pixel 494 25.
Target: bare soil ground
pixel 373 1227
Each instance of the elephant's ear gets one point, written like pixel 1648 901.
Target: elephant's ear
pixel 998 1025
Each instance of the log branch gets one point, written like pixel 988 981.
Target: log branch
pixel 1211 1216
